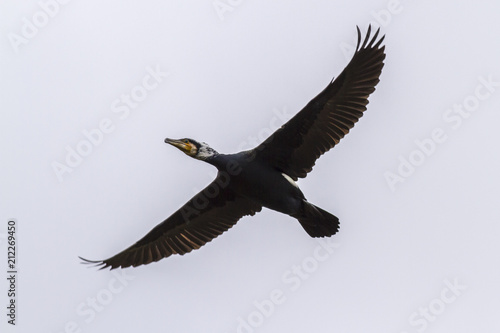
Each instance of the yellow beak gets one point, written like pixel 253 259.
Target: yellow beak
pixel 184 147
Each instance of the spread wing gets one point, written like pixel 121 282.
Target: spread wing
pixel 319 126
pixel 207 215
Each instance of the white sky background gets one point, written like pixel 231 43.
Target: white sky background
pixel 399 249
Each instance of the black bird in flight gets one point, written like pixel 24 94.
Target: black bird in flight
pixel 265 176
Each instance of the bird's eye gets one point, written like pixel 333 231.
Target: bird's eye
pixel 185 141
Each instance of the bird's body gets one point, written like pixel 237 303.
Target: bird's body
pixel 253 178
pixel 265 176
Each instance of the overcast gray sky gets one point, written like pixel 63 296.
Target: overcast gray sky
pixel 89 90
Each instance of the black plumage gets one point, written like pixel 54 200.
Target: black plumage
pixel 265 175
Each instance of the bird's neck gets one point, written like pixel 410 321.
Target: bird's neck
pixel 220 161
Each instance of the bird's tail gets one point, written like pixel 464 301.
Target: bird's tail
pixel 316 221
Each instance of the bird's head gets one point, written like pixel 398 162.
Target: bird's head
pixel 193 148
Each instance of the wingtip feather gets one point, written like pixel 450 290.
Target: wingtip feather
pixel 95 263
pixel 359 38
pixel 369 42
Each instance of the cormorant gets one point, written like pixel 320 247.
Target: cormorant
pixel 265 176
